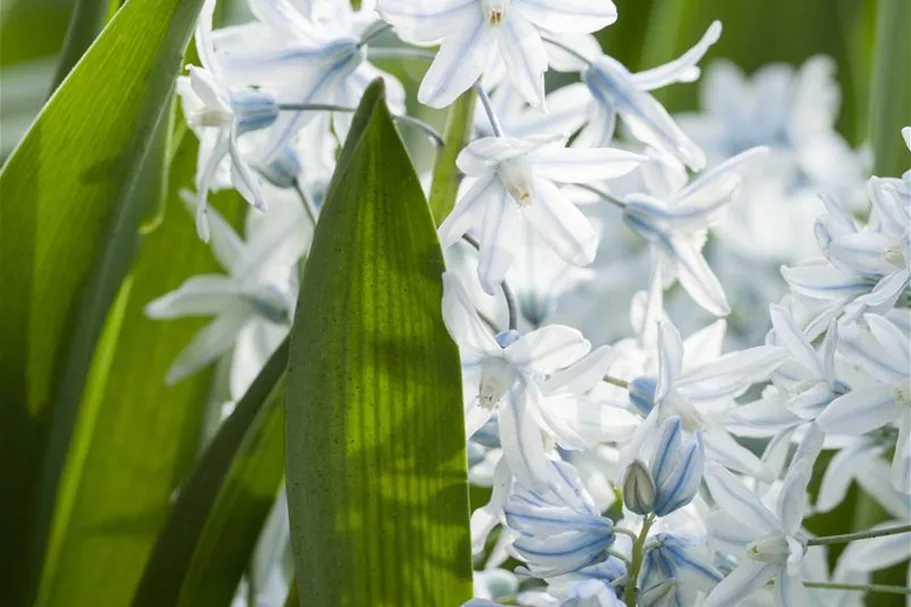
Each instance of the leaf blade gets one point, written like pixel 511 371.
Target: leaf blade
pixel 377 486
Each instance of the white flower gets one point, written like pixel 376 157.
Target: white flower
pixel 613 90
pixel 884 352
pixel 675 216
pixel 253 304
pixel 218 115
pixel 516 185
pixel 698 396
pixel 472 33
pixel 505 369
pixel 769 545
pixel 809 378
pixel 304 53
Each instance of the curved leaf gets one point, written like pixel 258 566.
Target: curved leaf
pixel 67 233
pixel 376 468
pixel 230 490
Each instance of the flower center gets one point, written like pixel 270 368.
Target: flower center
pixel 518 178
pixel 770 549
pixel 893 254
pixel 901 392
pixel 497 377
pixel 212 117
pixel 494 10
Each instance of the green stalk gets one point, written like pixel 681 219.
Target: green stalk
pixel 890 95
pixel 446 176
pixel 631 594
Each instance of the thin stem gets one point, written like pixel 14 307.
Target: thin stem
pixel 860 535
pixel 602 194
pixel 626 532
pixel 329 107
pixel 398 52
pixel 511 306
pixel 309 207
pixel 631 593
pixel 488 109
pixel 616 381
pixel 569 50
pixel 370 35
pixel 879 588
pixel 617 555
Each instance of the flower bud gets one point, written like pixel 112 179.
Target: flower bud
pixel 660 595
pixel 638 489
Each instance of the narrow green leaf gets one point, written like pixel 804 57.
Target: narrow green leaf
pixel 67 234
pixel 224 503
pixel 375 446
pixel 446 176
pixel 110 509
pixel 890 95
pixel 88 18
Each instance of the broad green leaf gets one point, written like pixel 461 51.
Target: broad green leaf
pixel 446 176
pixel 68 228
pixel 211 532
pixel 135 438
pixel 375 445
pixel 890 94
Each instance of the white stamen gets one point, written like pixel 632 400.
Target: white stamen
pixel 497 377
pixel 770 549
pixel 517 175
pixel 494 10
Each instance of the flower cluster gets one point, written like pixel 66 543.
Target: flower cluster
pixel 628 465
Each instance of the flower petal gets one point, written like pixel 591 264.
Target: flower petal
pixel 564 227
pixel 735 499
pixel 500 233
pixel 748 577
pixel 424 23
pixel 469 209
pixel 522 445
pixel 682 69
pixel 204 295
pixel 547 349
pixel 457 66
pixel 860 411
pixel 525 57
pixel 569 16
pixel 696 277
pixel 583 165
pixel 670 359
pixel 462 320
pixel 210 343
pixel 793 339
pixel 731 374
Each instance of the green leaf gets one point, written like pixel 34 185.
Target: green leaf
pixel 211 532
pixel 446 175
pixel 890 95
pixel 111 508
pixel 88 17
pixel 67 235
pixel 376 467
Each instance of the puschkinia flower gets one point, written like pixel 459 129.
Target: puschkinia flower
pixel 559 531
pixel 672 476
pixel 506 368
pixel 768 545
pixel 675 215
pixel 808 377
pixel 681 565
pixel 254 302
pixel 884 352
pixel 515 185
pixel 219 115
pixel 612 90
pixel 694 395
pixel 472 33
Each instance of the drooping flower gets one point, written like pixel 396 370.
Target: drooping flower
pixel 472 33
pixel 506 369
pixel 219 113
pixel 253 303
pixel 516 186
pixel 884 352
pixel 769 545
pixel 675 217
pixel 612 90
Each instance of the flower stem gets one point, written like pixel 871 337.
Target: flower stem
pixel 488 109
pixel 631 593
pixel 309 207
pixel 329 107
pixel 602 194
pixel 860 535
pixel 880 588
pixel 511 306
pixel 616 381
pixel 567 49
